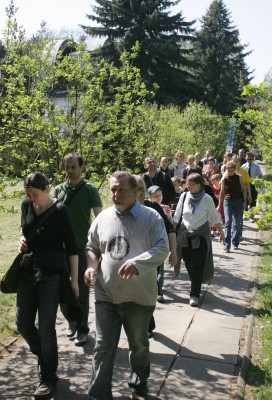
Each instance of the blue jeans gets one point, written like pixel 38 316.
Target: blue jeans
pixel 109 320
pixel 233 209
pixel 42 297
pixel 84 293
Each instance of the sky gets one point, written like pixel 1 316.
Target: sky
pixel 252 18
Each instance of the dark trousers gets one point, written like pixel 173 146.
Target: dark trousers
pixel 194 260
pixel 41 298
pixel 83 295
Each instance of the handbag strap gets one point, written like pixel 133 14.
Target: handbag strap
pixel 41 221
pixel 181 215
pixel 74 192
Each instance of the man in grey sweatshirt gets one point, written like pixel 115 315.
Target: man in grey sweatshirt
pixel 125 245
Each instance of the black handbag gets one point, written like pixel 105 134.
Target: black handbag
pixel 10 279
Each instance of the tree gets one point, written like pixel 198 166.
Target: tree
pixel 164 43
pixel 258 117
pixel 195 129
pixel 222 71
pixel 35 133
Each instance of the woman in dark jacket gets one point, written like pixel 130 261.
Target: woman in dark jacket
pixel 39 282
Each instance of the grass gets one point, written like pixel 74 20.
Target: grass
pixel 259 381
pixel 10 201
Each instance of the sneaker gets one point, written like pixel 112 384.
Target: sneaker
pixel 44 391
pixel 81 339
pixel 194 301
pixel 160 298
pixel 235 247
pixel 71 330
pixel 226 249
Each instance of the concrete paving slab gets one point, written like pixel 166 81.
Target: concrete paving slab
pixel 201 380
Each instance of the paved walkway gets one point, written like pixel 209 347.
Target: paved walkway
pixel 194 352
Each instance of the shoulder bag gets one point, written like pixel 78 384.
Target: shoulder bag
pixel 10 279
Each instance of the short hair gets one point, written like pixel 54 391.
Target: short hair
pixel 148 157
pixel 176 179
pixel 36 180
pixel 191 157
pixel 249 154
pixel 195 170
pixel 230 164
pixel 125 174
pixel 74 155
pixel 178 153
pixel 211 159
pixel 164 157
pixel 196 178
pixel 215 176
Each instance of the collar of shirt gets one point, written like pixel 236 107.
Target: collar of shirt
pixel 134 210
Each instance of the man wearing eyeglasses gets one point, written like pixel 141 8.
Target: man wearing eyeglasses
pixel 254 171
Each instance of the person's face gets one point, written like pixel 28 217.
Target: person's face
pixel 37 196
pixel 231 170
pixel 72 168
pixel 249 160
pixel 156 197
pixel 122 194
pixel 191 161
pixel 208 153
pixel 151 164
pixel 211 164
pixel 180 158
pixel 197 159
pixel 176 186
pixel 193 187
pixel 164 162
pixel 241 154
pixel 215 182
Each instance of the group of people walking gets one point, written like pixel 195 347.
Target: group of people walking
pixel 167 213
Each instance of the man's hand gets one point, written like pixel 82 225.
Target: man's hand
pixel 127 270
pixel 89 276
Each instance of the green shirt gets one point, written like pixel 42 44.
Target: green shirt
pixel 79 208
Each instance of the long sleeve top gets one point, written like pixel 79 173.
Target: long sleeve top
pixel 139 236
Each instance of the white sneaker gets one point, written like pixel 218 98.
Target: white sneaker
pixel 81 339
pixel 71 330
pixel 194 301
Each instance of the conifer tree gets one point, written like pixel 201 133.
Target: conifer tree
pixel 163 38
pixel 222 71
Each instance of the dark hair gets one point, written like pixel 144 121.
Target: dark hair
pixel 125 174
pixel 36 180
pixel 211 159
pixel 195 170
pixel 196 178
pixel 74 155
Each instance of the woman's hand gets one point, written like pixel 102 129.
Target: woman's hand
pixel 22 245
pixel 74 284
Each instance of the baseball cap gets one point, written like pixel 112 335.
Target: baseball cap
pixel 152 189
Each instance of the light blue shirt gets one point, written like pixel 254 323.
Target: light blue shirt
pixel 255 170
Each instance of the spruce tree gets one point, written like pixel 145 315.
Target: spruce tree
pixel 222 71
pixel 164 42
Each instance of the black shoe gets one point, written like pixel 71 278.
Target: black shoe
pixel 44 391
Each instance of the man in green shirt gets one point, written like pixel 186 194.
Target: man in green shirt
pixel 80 198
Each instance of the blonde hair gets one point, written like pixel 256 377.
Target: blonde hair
pixel 141 186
